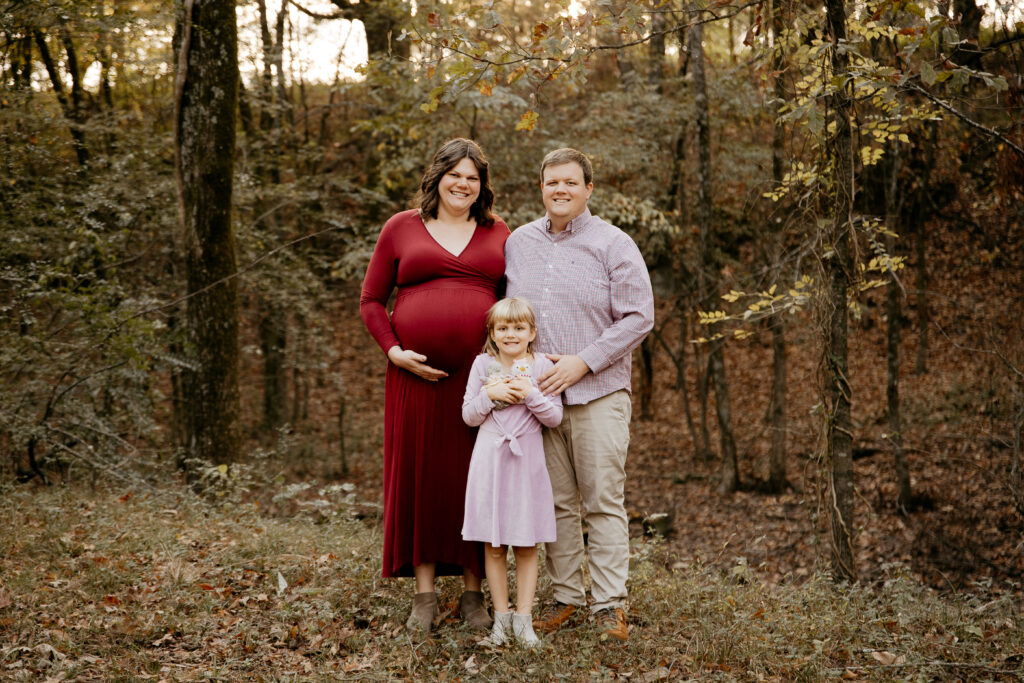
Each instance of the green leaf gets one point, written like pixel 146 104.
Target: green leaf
pixel 927 73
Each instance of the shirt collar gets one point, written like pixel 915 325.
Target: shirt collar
pixel 572 226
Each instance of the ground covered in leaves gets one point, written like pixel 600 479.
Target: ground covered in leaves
pixel 98 585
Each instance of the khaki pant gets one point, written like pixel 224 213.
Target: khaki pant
pixel 586 458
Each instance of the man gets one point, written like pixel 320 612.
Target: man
pixel 590 287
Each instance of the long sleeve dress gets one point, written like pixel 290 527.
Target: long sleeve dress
pixel 439 311
pixel 508 495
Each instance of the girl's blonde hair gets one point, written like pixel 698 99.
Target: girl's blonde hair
pixel 509 310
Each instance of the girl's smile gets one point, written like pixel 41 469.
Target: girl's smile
pixel 513 338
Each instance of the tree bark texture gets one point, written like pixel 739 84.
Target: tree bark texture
pixel 71 108
pixel 729 479
pixel 273 342
pixel 839 269
pixel 646 388
pixel 342 447
pixel 656 50
pixel 921 304
pixel 777 410
pixel 894 323
pixel 684 394
pixel 206 102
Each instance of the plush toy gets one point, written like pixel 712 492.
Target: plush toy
pixel 495 375
pixel 521 369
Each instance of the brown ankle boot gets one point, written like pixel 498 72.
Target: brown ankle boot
pixel 424 611
pixel 471 607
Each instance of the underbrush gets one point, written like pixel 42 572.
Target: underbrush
pixel 102 586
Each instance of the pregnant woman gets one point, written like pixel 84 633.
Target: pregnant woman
pixel 446 258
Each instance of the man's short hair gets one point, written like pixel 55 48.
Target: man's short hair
pixel 567 155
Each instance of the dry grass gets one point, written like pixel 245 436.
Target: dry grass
pixel 94 586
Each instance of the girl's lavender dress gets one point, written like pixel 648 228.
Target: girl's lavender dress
pixel 508 493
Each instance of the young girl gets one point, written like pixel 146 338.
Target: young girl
pixel 508 493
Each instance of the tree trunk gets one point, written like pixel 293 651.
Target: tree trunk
pixel 656 50
pixel 703 366
pixel 894 313
pixel 71 113
pixel 681 385
pixel 273 339
pixel 283 101
pixel 646 388
pixel 342 448
pixel 729 479
pixel 678 358
pixel 206 103
pixel 838 269
pixel 708 278
pixel 382 22
pixel 921 254
pixel 777 410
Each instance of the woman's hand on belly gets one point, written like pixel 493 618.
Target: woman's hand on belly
pixel 407 359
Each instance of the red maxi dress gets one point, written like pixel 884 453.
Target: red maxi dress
pixel 439 311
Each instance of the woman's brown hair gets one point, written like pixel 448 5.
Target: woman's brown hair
pixel 445 159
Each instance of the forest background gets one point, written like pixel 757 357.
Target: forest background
pixel 828 196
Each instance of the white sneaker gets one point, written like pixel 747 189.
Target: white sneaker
pixel 501 630
pixel 522 630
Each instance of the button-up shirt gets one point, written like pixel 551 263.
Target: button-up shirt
pixel 592 294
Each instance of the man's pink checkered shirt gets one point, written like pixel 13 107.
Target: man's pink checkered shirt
pixel 590 288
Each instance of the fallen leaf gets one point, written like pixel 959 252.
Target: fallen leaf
pixel 471 665
pixel 359 663
pixel 49 651
pixel 165 638
pixel 888 659
pixel 282 585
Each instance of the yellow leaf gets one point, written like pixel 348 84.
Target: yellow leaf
pixel 431 106
pixel 486 88
pixel 223 469
pixel 515 75
pixel 528 121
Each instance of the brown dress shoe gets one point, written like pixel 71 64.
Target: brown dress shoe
pixel 471 607
pixel 424 611
pixel 554 616
pixel 612 623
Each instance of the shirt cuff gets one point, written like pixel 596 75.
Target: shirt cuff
pixel 594 359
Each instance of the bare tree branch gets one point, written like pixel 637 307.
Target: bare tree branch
pixel 969 121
